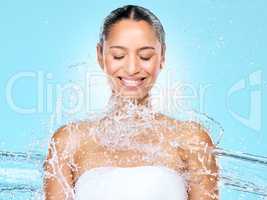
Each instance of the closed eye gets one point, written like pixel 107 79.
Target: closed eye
pixel 145 58
pixel 118 57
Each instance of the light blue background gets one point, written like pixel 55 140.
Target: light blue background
pixel 209 42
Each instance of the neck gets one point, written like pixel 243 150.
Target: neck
pixel 119 103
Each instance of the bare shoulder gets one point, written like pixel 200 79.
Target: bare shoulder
pixel 196 133
pixel 189 131
pixel 67 138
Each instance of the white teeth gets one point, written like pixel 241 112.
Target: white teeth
pixel 133 83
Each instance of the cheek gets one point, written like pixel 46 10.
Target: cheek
pixel 152 68
pixel 111 66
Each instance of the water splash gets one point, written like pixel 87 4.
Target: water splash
pixel 28 181
pixel 15 180
pixel 139 129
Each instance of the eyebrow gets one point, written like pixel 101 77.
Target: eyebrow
pixel 118 47
pixel 146 47
pixel 142 48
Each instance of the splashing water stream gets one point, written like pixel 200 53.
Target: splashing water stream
pixel 126 129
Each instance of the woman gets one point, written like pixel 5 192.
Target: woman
pixel 131 152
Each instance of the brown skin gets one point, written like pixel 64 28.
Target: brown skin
pixel 131 50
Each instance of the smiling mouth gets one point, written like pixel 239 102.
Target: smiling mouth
pixel 132 83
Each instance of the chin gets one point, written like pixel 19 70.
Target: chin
pixel 133 94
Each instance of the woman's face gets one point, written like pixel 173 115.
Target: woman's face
pixel 132 57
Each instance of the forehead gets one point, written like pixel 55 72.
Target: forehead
pixel 132 33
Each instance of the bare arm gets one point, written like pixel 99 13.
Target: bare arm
pixel 202 166
pixel 57 182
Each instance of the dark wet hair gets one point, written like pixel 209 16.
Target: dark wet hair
pixel 136 13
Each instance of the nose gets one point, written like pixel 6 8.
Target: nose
pixel 132 66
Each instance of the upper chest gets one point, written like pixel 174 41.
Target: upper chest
pixel 144 149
